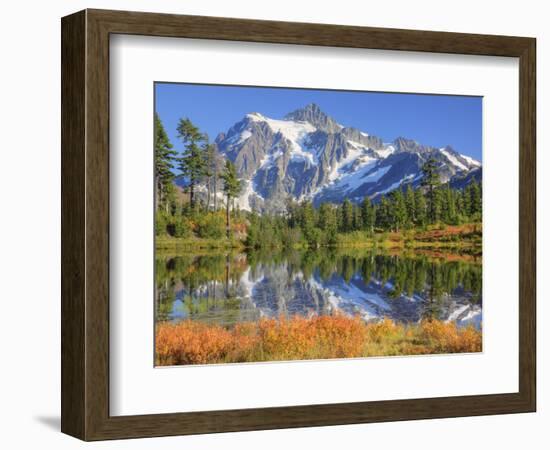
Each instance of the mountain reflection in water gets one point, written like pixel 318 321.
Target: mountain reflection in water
pixel 227 289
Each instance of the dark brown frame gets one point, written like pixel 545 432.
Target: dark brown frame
pixel 85 224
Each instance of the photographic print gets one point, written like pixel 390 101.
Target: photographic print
pixel 299 224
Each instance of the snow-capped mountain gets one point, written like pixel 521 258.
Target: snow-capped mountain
pixel 309 155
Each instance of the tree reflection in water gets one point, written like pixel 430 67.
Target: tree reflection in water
pixel 231 288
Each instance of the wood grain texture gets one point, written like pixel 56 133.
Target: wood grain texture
pixel 97 225
pixel 527 224
pixel 73 112
pixel 201 27
pixel 85 224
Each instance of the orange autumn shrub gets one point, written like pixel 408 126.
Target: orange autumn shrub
pixel 244 343
pixel 310 338
pixel 381 330
pixel 340 336
pixel 197 343
pixel 448 338
pixel 285 339
pixel 317 337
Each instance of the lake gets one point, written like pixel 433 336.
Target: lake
pixel 229 288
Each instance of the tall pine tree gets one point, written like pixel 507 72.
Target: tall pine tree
pixel 357 218
pixel 475 201
pixel 164 159
pixel 431 182
pixel 449 205
pixel 232 188
pixel 399 210
pixel 368 212
pixel 192 163
pixel 328 221
pixel 383 213
pixel 308 217
pixel 410 204
pixel 347 216
pixel 419 208
pixel 210 170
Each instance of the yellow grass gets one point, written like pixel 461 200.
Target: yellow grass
pixel 299 338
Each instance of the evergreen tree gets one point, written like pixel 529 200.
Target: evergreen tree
pixel 466 201
pixel 459 203
pixel 170 203
pixel 449 205
pixel 308 218
pixel 328 221
pixel 294 213
pixel 475 201
pixel 410 204
pixel 419 208
pixel 383 213
pixel 214 165
pixel 192 163
pixel 437 205
pixel 357 218
pixel 164 158
pixel 232 188
pixel 253 237
pixel 347 216
pixel 209 167
pixel 217 168
pixel 399 210
pixel 430 182
pixel 368 213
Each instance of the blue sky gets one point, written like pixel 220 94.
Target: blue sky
pixel 435 120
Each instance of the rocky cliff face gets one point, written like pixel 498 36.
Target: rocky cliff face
pixel 309 155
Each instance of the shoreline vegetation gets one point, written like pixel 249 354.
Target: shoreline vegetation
pixel 303 338
pixel 461 239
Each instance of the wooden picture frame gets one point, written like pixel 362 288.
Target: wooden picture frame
pixel 85 224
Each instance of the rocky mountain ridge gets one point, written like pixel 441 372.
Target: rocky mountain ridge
pixel 309 155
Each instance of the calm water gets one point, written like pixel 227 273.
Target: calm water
pixel 226 289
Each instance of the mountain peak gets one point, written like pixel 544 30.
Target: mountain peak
pixel 255 116
pixel 314 107
pixel 400 140
pixel 310 107
pixel 403 144
pixel 313 114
